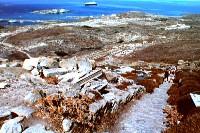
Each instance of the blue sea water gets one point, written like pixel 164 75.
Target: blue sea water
pixel 22 10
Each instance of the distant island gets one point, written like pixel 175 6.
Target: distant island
pixel 51 11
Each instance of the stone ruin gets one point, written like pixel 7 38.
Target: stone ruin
pixel 89 95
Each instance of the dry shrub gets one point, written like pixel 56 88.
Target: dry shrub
pixel 57 107
pixel 149 84
pixel 123 85
pixel 130 75
pixel 189 125
pixel 172 115
pixel 173 93
pixel 156 71
pixel 159 80
pixel 185 104
pixel 186 82
pixel 17 55
pixel 51 80
pixel 186 89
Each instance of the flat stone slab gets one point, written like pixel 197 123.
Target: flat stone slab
pixel 12 126
pixel 38 128
pixel 4 112
pixel 54 72
pixel 196 98
pixel 29 64
pixel 23 111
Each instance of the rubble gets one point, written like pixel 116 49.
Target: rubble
pixel 32 97
pixel 177 27
pixel 12 126
pixel 29 64
pixel 32 79
pixel 23 111
pixel 84 65
pixel 4 85
pixel 4 112
pixel 69 64
pixel 38 128
pixel 67 124
pixel 54 72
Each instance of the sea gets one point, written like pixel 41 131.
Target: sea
pixel 20 13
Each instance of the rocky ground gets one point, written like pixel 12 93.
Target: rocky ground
pixel 85 75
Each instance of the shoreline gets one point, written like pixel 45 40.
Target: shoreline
pixel 72 19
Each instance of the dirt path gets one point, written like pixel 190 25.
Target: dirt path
pixel 146 116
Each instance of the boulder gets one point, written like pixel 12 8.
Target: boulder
pixel 54 72
pixel 32 79
pixel 31 63
pixel 23 111
pixel 38 128
pixel 110 76
pixel 35 72
pixel 181 62
pixel 4 65
pixel 4 85
pixel 32 97
pixel 4 112
pixel 96 106
pixel 45 62
pixel 69 64
pixel 84 65
pixel 109 97
pixel 124 69
pixel 67 124
pixel 12 126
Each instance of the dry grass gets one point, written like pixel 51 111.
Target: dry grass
pixel 168 53
pixel 57 107
pixel 35 34
pixel 185 83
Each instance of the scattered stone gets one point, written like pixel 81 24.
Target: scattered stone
pixel 35 72
pixel 45 62
pixel 67 124
pixel 54 71
pixel 32 97
pixel 69 64
pixel 4 65
pixel 15 64
pixel 32 79
pixel 4 112
pixel 12 126
pixel 31 63
pixel 110 76
pixel 124 69
pixel 177 27
pixel 181 62
pixel 4 85
pixel 84 65
pixel 109 96
pixel 23 111
pixel 38 128
pixel 96 106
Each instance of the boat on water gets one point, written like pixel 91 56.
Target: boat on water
pixel 90 3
